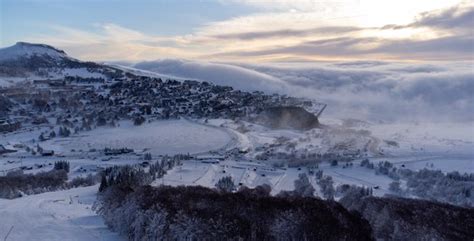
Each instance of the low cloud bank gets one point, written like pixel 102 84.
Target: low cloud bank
pixel 221 74
pixel 366 90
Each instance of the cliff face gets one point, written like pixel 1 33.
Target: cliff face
pixel 288 117
pixel 411 219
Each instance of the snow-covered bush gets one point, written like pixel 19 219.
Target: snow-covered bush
pixel 327 187
pixel 86 181
pixel 303 187
pixel 413 219
pixel 13 185
pixel 395 187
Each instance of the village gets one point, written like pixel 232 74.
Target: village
pixel 84 103
pixel 48 109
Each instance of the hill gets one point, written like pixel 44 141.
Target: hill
pixel 27 61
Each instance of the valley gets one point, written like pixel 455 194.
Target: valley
pixel 95 124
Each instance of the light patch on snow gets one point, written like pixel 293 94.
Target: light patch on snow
pixel 80 72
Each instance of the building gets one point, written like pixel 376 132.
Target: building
pixel 7 125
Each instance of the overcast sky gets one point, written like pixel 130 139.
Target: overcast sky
pixel 245 30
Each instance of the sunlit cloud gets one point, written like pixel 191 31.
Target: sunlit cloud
pixel 291 31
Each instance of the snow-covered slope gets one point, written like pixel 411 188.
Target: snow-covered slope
pixel 61 215
pixel 28 50
pixel 28 61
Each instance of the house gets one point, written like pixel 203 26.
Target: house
pixel 7 125
pixel 4 150
pixel 47 153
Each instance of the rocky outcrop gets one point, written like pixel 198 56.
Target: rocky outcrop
pixel 288 117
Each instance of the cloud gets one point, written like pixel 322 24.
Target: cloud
pixel 317 33
pixel 459 47
pixel 390 91
pixel 459 16
pixel 456 19
pixel 386 91
pixel 111 42
pixel 286 33
pixel 222 74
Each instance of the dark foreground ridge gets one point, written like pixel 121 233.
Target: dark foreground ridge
pixel 395 218
pixel 142 212
pixel 198 213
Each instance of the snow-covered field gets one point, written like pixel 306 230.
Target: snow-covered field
pixel 54 216
pixel 252 174
pixel 445 147
pixel 67 215
pixel 159 137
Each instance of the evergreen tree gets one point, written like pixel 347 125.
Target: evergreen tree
pixel 225 184
pixel 62 165
pixel 103 184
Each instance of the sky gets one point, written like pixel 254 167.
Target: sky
pixel 245 30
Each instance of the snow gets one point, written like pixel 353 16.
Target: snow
pixel 61 215
pixel 435 138
pixel 9 81
pixel 81 72
pixel 158 137
pixel 250 174
pixel 22 49
pixel 27 50
pixel 447 147
pixel 53 216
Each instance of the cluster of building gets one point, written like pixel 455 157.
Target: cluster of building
pixel 8 125
pixel 82 104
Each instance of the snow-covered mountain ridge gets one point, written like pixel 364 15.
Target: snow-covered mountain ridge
pixel 23 49
pixel 29 61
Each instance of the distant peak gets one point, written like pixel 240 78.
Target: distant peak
pixel 24 49
pixel 26 44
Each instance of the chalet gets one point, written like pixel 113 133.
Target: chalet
pixel 47 153
pixel 7 125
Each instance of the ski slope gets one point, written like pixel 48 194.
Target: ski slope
pixel 54 216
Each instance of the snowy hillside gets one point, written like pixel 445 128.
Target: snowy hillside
pixel 78 124
pixel 28 61
pixel 28 50
pixel 54 216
